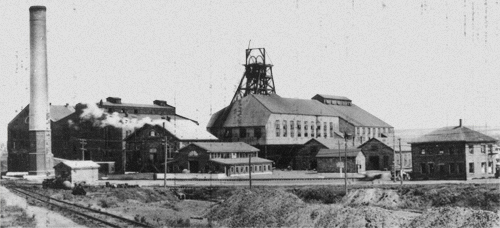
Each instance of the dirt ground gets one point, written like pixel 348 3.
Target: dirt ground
pixel 448 205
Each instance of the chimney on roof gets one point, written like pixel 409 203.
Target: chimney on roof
pixel 460 123
pixel 160 102
pixel 114 100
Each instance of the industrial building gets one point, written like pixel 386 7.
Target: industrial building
pixel 229 158
pixel 454 152
pixel 381 156
pixel 280 127
pixel 90 131
pixel 334 160
pixel 145 147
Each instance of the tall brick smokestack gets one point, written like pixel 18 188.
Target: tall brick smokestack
pixel 40 156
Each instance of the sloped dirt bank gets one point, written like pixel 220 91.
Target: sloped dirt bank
pixel 360 208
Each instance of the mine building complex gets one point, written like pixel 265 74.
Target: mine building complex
pixel 280 127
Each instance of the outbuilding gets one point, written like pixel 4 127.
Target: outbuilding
pixel 78 171
pixel 333 160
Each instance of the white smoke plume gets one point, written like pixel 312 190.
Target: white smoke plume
pixel 182 128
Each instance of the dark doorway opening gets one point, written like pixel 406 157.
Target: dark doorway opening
pixel 374 162
pixel 193 166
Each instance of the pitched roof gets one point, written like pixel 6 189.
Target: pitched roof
pixel 110 104
pixel 58 112
pixel 226 147
pixel 329 153
pixel 330 143
pixel 358 116
pixel 182 129
pixel 454 134
pixel 277 104
pixel 390 144
pixel 236 161
pixel 78 164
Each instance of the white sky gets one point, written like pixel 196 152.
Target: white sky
pixel 414 64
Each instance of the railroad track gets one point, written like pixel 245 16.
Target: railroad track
pixel 101 217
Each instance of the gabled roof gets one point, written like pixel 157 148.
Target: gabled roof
pixel 454 134
pixel 236 161
pixel 330 143
pixel 78 164
pixel 226 147
pixel 280 105
pixel 256 109
pixel 335 153
pixel 389 144
pixel 182 129
pixel 58 112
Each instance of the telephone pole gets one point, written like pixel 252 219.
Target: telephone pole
pixel 400 162
pixel 250 169
pixel 83 142
pixel 166 156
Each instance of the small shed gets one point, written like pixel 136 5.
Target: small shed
pixel 239 166
pixel 331 160
pixel 78 171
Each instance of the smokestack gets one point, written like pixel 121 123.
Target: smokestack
pixel 460 123
pixel 40 157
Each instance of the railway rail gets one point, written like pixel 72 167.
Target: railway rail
pixel 101 217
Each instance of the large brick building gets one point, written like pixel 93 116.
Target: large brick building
pixel 453 153
pixel 87 131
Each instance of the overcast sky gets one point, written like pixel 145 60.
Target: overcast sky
pixel 413 64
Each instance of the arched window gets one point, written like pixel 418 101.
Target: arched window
pixel 318 129
pixel 278 128
pixel 284 128
pixel 331 129
pixel 292 128
pixel 312 129
pixel 325 133
pixel 299 129
pixel 306 129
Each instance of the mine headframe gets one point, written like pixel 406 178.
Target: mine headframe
pixel 258 76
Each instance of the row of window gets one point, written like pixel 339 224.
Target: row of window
pixel 243 133
pixel 233 155
pixel 452 150
pixel 139 111
pixel 314 129
pixel 373 131
pixel 255 168
pixel 454 168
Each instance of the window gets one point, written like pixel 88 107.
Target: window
pixel 431 167
pixel 490 167
pixel 257 132
pixel 441 168
pixel 423 168
pixel 243 132
pixel 471 167
pixel 441 150
pixel 422 151
pixel 152 133
pixel 483 167
pixel 331 129
pixel 483 149
pixel 299 129
pixel 312 129
pixel 452 168
pixel 292 128
pixel 284 128
pixel 461 168
pixel 306 130
pixel 325 130
pixel 318 129
pixel 490 149
pixel 228 133
pixel 277 126
pixel 471 149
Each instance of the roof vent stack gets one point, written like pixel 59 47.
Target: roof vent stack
pixel 460 123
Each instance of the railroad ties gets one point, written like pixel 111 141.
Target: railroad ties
pixel 105 218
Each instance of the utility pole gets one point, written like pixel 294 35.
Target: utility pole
pixel 83 142
pixel 394 157
pixel 346 136
pixel 250 169
pixel 400 162
pixel 166 155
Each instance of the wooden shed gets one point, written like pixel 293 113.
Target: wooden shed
pixel 333 160
pixel 78 171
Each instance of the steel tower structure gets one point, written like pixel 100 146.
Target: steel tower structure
pixel 258 76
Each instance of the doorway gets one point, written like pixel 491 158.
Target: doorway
pixel 193 166
pixel 374 163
